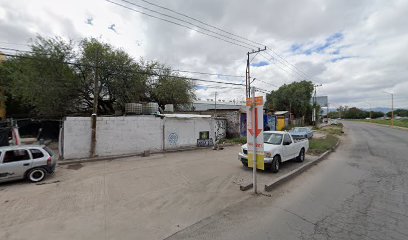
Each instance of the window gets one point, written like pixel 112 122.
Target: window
pixel 287 139
pixel 36 153
pixel 49 151
pixel 16 155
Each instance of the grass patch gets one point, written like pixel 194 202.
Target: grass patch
pixel 333 130
pixel 319 146
pixel 238 140
pixel 399 123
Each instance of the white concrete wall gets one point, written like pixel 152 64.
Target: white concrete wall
pixel 77 137
pixel 135 134
pixel 126 135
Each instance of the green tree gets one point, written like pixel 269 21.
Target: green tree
pixel 399 112
pixel 120 78
pixel 169 88
pixel 294 97
pixel 42 80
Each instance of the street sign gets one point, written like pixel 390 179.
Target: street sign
pixel 255 131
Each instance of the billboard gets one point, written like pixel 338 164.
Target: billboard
pixel 321 100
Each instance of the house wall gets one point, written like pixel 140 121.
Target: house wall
pixel 135 134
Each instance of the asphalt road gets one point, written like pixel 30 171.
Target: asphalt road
pixel 359 192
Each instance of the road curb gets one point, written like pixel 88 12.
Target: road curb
pixel 106 158
pixel 294 173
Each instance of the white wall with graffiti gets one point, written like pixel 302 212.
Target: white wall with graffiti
pixel 136 134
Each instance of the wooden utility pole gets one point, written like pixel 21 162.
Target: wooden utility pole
pixel 95 105
pixel 248 74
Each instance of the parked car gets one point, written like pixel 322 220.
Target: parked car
pixel 301 132
pixel 334 122
pixel 31 162
pixel 279 147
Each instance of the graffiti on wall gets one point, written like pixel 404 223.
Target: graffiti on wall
pixel 220 129
pixel 173 138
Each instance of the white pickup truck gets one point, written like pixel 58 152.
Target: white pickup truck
pixel 279 147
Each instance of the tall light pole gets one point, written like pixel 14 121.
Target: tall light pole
pixel 314 114
pixel 392 108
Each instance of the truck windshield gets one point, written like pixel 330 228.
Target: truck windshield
pixel 273 138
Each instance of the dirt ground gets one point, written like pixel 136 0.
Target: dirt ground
pixel 130 198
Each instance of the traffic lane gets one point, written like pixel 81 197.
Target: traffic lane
pixel 356 193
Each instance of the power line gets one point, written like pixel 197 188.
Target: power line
pixel 179 24
pixel 227 32
pixel 140 72
pixel 172 70
pixel 184 21
pixel 270 60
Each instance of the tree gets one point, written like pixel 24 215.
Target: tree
pixel 54 80
pixel 42 80
pixel 294 97
pixel 119 76
pixel 399 112
pixel 164 84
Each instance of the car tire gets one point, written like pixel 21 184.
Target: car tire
pixel 301 156
pixel 275 164
pixel 36 175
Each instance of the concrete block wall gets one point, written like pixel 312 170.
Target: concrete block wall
pixel 127 135
pixel 77 137
pixel 135 134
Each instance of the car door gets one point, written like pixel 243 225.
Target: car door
pixel 287 146
pixel 15 163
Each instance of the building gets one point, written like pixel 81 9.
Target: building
pixel 233 112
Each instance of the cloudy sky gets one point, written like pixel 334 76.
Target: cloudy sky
pixel 355 49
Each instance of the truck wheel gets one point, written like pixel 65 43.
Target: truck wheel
pixel 275 164
pixel 301 156
pixel 36 175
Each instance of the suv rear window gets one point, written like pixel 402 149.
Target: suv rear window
pixel 36 153
pixel 49 151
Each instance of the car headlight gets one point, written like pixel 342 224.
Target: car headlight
pixel 268 154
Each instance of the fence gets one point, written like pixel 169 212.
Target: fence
pixel 136 134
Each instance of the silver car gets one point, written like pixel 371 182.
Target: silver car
pixel 31 162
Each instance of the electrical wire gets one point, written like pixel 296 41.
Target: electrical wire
pixel 172 70
pixel 140 72
pixel 224 31
pixel 181 25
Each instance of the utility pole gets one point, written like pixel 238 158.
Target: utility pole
pixel 254 123
pixel 314 114
pixel 95 105
pixel 248 74
pixel 215 105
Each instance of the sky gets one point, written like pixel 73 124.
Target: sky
pixel 356 50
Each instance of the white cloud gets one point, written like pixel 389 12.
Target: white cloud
pixel 369 58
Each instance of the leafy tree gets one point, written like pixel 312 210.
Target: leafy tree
pixel 294 97
pixel 399 112
pixel 42 79
pixel 54 80
pixel 119 76
pixel 163 85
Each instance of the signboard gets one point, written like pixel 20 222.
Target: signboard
pixel 255 131
pixel 321 100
